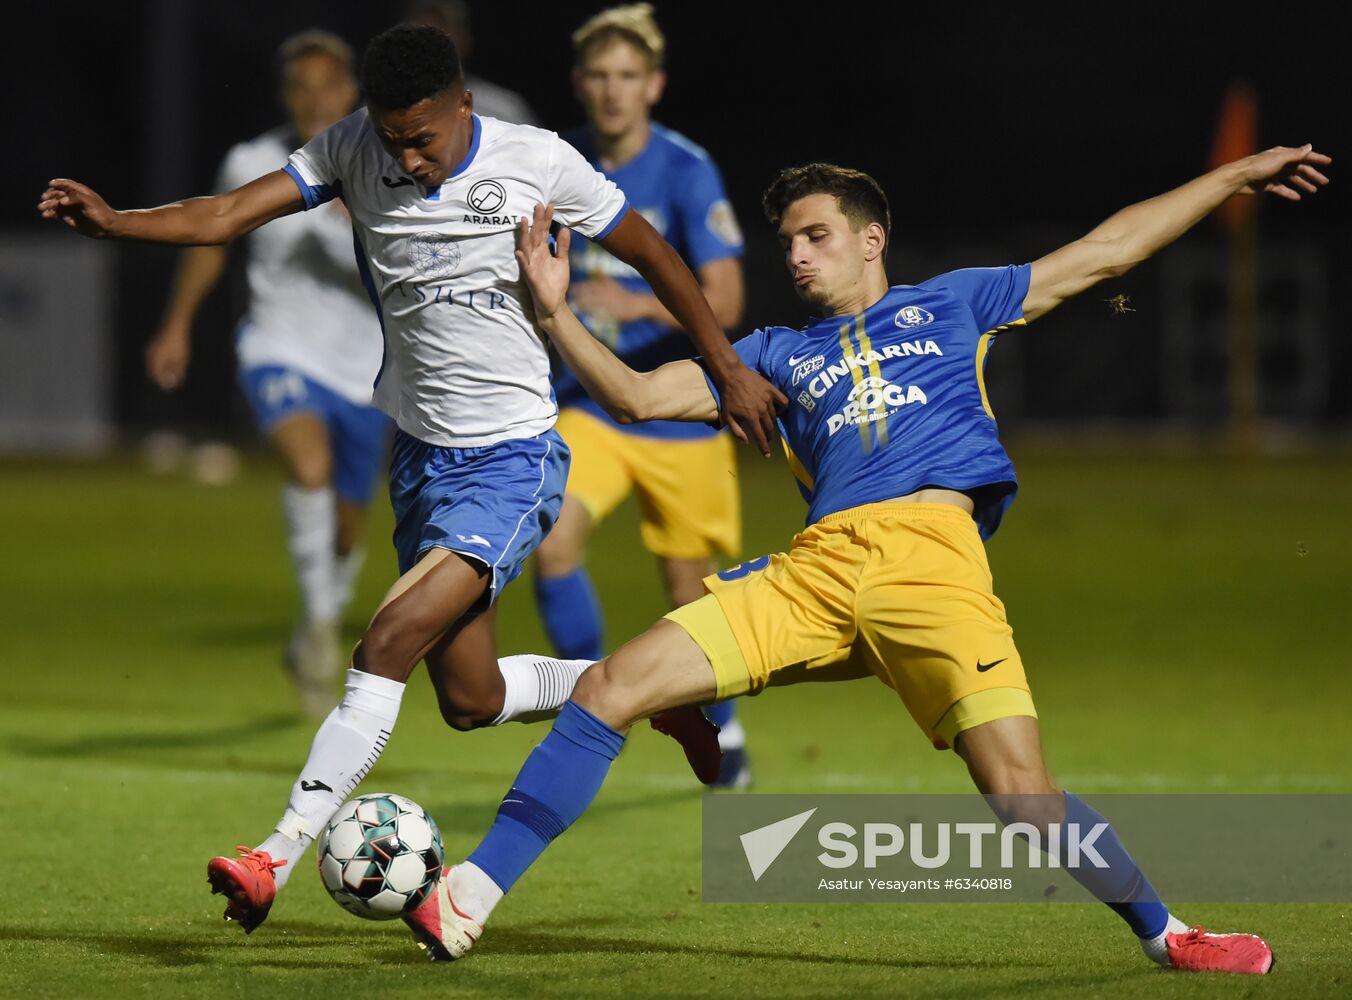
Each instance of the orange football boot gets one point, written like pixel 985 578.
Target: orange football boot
pixel 1201 951
pixel 248 883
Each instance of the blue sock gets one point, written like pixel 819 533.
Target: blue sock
pixel 1121 880
pixel 556 784
pixel 720 713
pixel 571 614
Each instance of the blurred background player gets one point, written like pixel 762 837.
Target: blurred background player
pixel 491 100
pixel 309 348
pixel 685 474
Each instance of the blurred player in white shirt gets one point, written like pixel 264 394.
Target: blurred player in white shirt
pixel 308 350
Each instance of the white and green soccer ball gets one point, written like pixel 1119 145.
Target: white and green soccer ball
pixel 380 856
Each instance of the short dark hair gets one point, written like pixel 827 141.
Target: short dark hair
pixel 859 196
pixel 407 64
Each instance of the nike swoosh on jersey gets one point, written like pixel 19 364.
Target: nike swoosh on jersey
pixel 796 361
pixel 399 182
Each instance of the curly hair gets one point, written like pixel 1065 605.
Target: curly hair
pixel 859 196
pixel 407 64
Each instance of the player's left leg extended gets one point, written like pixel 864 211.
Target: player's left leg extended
pixel 1004 758
pixel 932 627
pixel 662 669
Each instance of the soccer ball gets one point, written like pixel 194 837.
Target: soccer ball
pixel 380 856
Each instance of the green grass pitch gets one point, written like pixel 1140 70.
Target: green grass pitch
pixel 1184 623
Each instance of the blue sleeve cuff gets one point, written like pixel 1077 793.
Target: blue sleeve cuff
pixel 314 194
pixel 610 226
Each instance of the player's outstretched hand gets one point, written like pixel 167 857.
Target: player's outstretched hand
pixel 750 406
pixel 167 358
pixel 1285 171
pixel 78 207
pixel 545 270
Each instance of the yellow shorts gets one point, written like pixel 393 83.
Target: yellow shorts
pixel 687 489
pixel 899 590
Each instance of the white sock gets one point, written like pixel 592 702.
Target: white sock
pixel 536 686
pixel 311 526
pixel 1155 948
pixel 346 569
pixel 732 736
pixel 346 746
pixel 473 891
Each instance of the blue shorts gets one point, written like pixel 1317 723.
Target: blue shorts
pixel 491 504
pixel 357 434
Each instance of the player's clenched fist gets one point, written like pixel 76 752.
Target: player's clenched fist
pixel 78 207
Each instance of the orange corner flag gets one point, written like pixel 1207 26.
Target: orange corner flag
pixel 1236 138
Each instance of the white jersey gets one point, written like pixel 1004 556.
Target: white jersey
pixel 465 365
pixel 307 307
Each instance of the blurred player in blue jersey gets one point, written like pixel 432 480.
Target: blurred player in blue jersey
pixel 684 474
pixel 477 475
pixel 308 351
pixel 895 447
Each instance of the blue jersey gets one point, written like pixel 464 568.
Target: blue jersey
pixel 893 400
pixel 675 186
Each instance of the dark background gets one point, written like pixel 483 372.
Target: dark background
pixel 999 131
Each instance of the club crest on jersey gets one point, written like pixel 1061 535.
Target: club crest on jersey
pixel 433 254
pixel 806 401
pixel 722 222
pixel 873 399
pixel 487 197
pixel 909 316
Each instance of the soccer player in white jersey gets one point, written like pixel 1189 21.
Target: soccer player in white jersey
pixel 477 476
pixel 308 351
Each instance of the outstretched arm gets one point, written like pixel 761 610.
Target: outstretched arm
pixel 675 391
pixel 194 222
pixel 1139 231
pixel 168 353
pixel 750 403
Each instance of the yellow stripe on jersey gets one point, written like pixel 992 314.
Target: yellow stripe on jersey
pixel 796 465
pixel 874 369
pixel 846 350
pixel 982 346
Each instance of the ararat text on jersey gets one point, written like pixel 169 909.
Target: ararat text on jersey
pixel 492 220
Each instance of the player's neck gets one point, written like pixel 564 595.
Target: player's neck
pixel 860 297
pixel 613 152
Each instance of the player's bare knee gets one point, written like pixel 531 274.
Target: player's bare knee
pixel 557 557
pixel 464 713
pixel 384 649
pixel 311 472
pixel 605 690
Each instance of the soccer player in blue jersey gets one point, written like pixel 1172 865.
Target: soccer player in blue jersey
pixel 476 480
pixel 684 473
pixel 308 351
pixel 895 448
